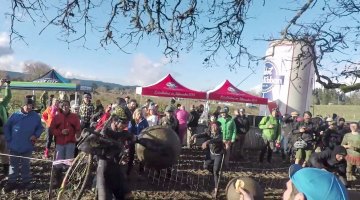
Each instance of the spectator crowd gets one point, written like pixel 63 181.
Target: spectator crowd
pixel 331 143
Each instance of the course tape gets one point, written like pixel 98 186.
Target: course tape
pixel 55 162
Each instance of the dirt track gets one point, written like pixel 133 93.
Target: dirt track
pixel 187 181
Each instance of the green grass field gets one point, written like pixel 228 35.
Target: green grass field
pixel 349 112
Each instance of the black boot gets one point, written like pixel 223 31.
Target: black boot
pixel 5 169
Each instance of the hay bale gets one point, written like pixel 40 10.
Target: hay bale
pixel 248 184
pixel 164 138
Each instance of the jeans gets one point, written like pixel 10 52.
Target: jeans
pixel 213 164
pixel 19 166
pixel 66 151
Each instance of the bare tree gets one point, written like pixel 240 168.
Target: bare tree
pixel 217 25
pixel 4 75
pixel 35 70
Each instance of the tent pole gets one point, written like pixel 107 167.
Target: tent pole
pixel 76 101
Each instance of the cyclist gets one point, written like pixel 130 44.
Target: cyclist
pixel 110 177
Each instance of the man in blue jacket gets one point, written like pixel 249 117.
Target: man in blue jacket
pixel 21 131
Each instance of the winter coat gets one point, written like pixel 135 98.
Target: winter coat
pixel 153 120
pixel 273 133
pixel 19 128
pixel 137 128
pixel 49 114
pixel 182 116
pixel 171 122
pixel 327 160
pixel 193 119
pixel 86 111
pixel 331 138
pixel 242 124
pixel 61 121
pixel 309 136
pixel 216 146
pixel 228 128
pixel 3 110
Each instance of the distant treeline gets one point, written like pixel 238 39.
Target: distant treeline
pixel 332 96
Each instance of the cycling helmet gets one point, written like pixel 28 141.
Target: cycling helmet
pixel 119 113
pixel 300 144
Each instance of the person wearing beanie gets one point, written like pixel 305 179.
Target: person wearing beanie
pixel 86 111
pixel 271 133
pixel 331 136
pixel 228 129
pixel 21 132
pixel 4 160
pixel 342 127
pixel 332 161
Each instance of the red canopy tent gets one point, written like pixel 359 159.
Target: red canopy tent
pixel 228 92
pixel 169 87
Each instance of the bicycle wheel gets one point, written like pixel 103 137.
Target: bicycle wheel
pixel 76 177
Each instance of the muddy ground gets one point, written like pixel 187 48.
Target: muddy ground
pixel 187 181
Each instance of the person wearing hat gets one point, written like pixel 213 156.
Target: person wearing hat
pixel 342 127
pixel 310 184
pixel 21 131
pixel 214 151
pixel 170 120
pixel 242 125
pixel 271 134
pixel 110 177
pixel 313 184
pixel 331 136
pixel 287 140
pixel 4 160
pixel 332 161
pixel 86 111
pixel 228 129
pixel 216 113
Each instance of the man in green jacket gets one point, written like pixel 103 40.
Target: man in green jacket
pixel 270 133
pixel 228 130
pixel 4 160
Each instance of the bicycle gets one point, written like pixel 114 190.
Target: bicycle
pixel 78 175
